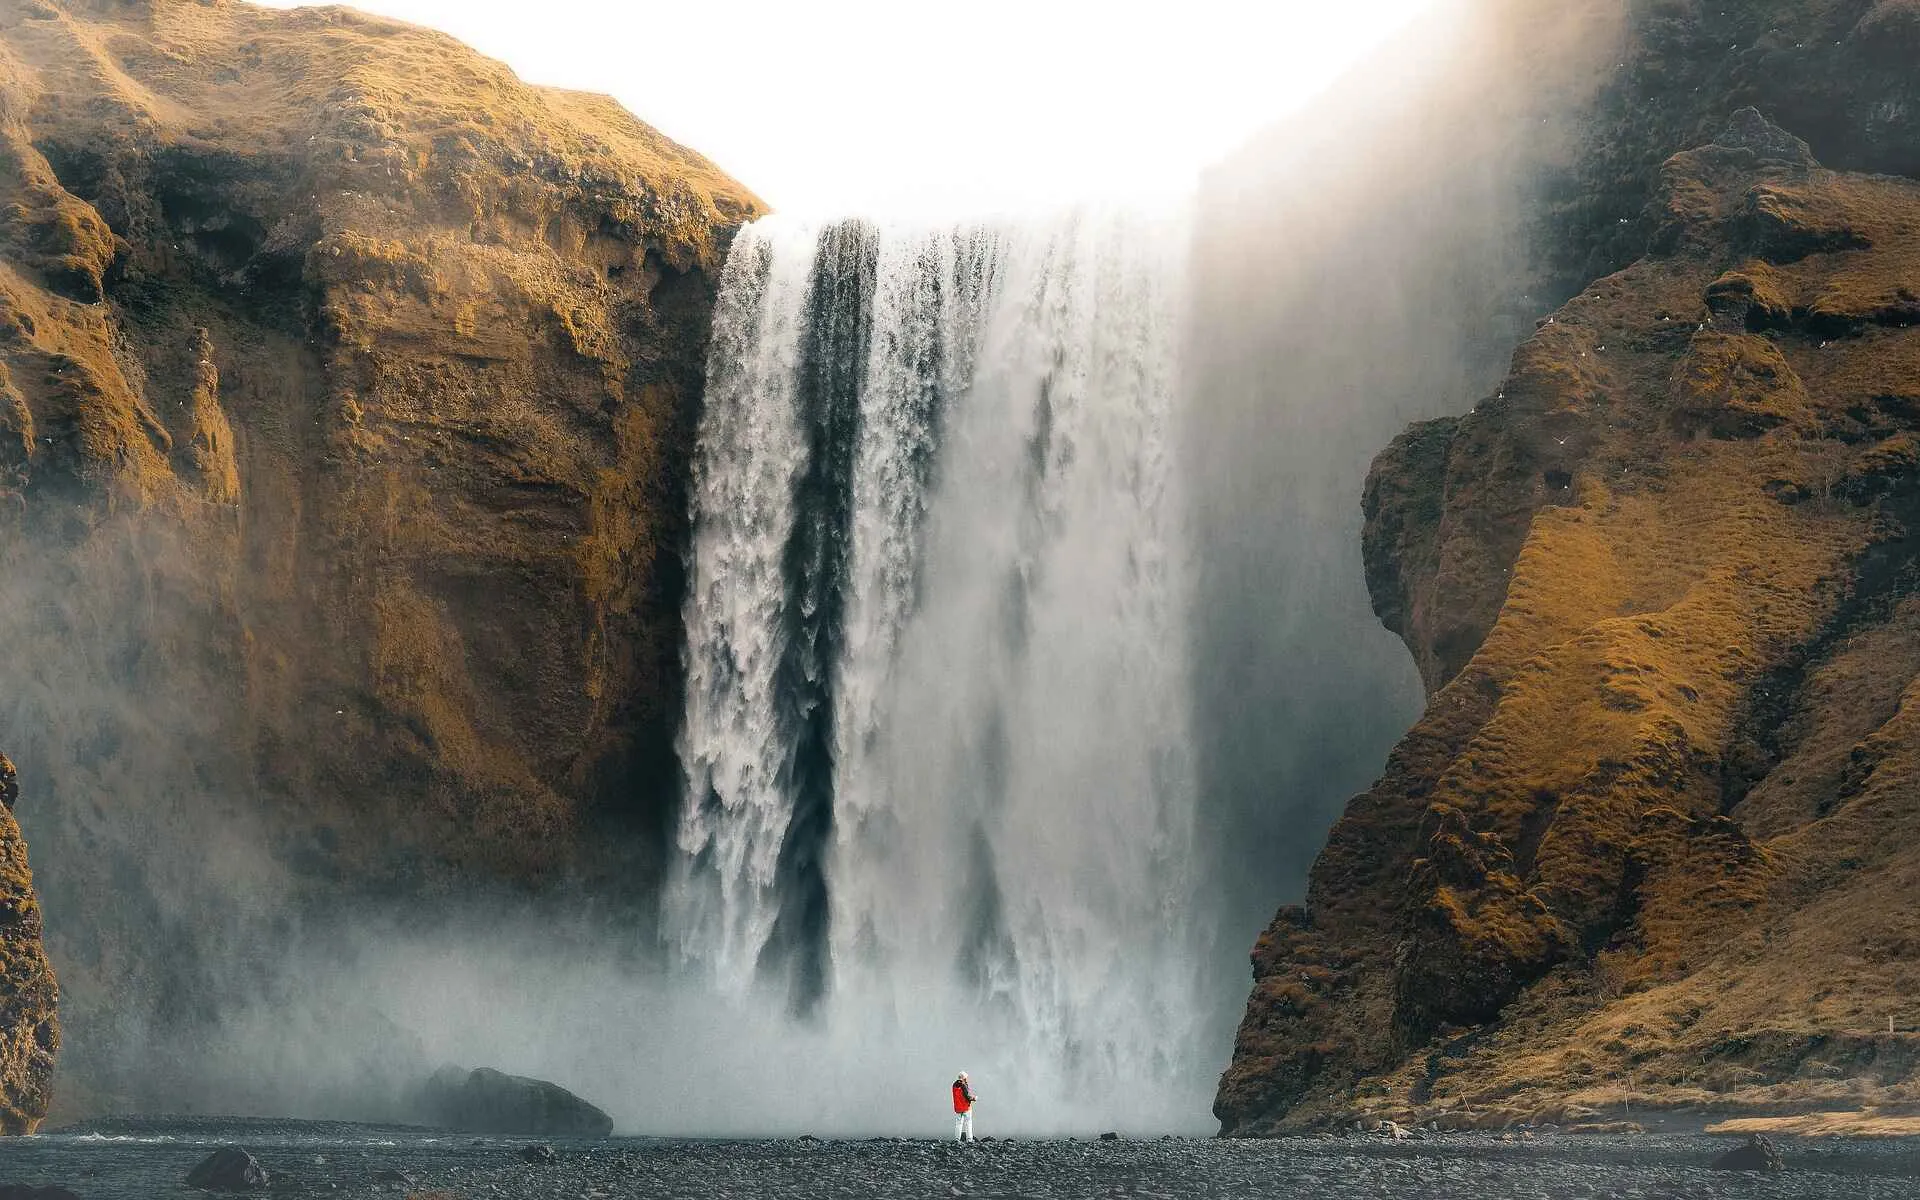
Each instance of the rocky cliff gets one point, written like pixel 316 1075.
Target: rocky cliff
pixel 1648 844
pixel 29 1026
pixel 346 388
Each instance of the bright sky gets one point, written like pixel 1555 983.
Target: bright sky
pixel 881 105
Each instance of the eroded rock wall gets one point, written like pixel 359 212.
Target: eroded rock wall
pixel 29 995
pixel 1646 844
pixel 346 384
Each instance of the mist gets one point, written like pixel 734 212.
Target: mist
pixel 1364 265
pixel 1367 265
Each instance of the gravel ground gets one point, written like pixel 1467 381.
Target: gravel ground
pixel 149 1159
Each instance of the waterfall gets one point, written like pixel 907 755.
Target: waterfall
pixel 939 793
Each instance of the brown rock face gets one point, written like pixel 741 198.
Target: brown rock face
pixel 1649 841
pixel 29 1030
pixel 346 383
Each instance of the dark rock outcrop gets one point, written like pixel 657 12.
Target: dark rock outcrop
pixel 229 1169
pixel 29 996
pixel 487 1101
pixel 1757 1155
pixel 347 385
pixel 1837 74
pixel 1645 845
pixel 28 1191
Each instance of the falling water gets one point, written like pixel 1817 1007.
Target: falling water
pixel 938 788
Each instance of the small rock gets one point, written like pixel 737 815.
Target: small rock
pixel 540 1155
pixel 389 1175
pixel 1757 1155
pixel 228 1169
pixel 1109 1137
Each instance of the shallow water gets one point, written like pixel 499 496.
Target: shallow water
pixel 148 1158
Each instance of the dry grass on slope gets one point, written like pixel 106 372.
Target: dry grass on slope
pixel 346 389
pixel 1652 843
pixel 333 82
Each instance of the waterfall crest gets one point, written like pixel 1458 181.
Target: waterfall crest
pixel 936 754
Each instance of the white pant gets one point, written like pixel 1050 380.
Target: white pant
pixel 963 1126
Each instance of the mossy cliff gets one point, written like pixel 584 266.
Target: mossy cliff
pixel 1649 844
pixel 346 387
pixel 29 1027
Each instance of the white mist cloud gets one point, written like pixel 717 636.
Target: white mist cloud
pixel 889 105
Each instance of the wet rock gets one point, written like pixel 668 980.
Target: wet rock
pixel 540 1156
pixel 488 1101
pixel 29 1024
pixel 229 1169
pixel 1757 1155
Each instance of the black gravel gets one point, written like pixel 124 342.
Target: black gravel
pixel 150 1158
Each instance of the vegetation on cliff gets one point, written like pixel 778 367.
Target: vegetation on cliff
pixel 29 1027
pixel 346 388
pixel 1647 838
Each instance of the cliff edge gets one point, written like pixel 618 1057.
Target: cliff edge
pixel 1647 844
pixel 347 387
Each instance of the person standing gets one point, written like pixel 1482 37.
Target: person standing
pixel 962 1109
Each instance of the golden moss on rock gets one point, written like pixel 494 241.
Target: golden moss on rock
pixel 346 395
pixel 29 1028
pixel 1645 844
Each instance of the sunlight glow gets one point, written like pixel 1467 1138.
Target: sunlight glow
pixel 838 105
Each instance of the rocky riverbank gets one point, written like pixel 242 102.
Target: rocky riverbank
pixel 143 1159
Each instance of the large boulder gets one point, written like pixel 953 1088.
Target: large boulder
pixel 1757 1155
pixel 488 1101
pixel 229 1169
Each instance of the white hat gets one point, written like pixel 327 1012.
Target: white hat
pixel 963 1074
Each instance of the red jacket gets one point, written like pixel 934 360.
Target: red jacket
pixel 962 1096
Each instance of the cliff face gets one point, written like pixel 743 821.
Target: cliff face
pixel 29 1028
pixel 346 384
pixel 1647 840
pixel 1355 270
